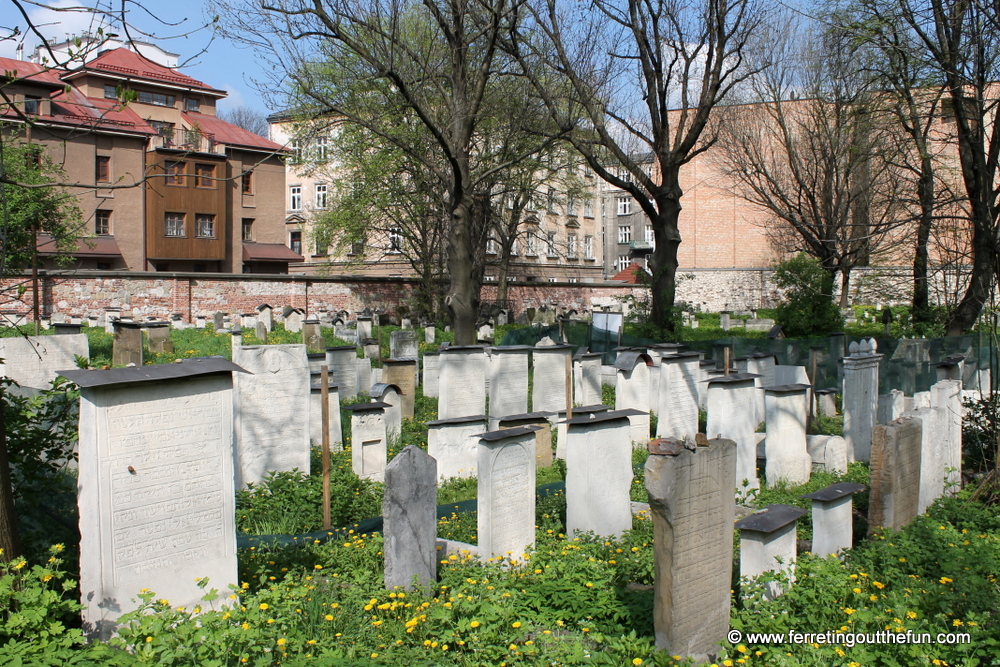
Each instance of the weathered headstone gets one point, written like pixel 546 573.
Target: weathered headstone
pixel 403 374
pixel 364 327
pixel 248 320
pixel 786 450
pixel 691 500
pixel 372 349
pixel 677 411
pixel 34 361
pixel 508 382
pixel 391 396
pixel 316 417
pixel 548 392
pixel 432 368
pixel 311 335
pixel 265 316
pixel 409 513
pixel 364 375
pixel 158 334
pixel 543 433
pixel 599 475
pixel 826 402
pixel 199 322
pixel 946 398
pixel 236 339
pixel 156 495
pixel 430 334
pixel 832 518
pixel 219 320
pixel 724 321
pixel 632 390
pixel 454 444
pixel 462 382
pixel 829 452
pixel 369 449
pixel 860 397
pixel 261 332
pixel 271 411
pixel 588 390
pixel 67 328
pixel 768 543
pixel 559 420
pixel 403 344
pixel 895 474
pixel 731 415
pixel 343 365
pixel 891 406
pixel 127 346
pixel 506 493
pixel 293 320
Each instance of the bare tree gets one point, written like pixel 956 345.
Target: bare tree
pixel 646 77
pixel 248 118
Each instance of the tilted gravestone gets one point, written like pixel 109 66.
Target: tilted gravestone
pixel 271 411
pixel 409 513
pixel 508 381
pixel 403 374
pixel 599 475
pixel 895 474
pixel 156 495
pixel 454 444
pixel 506 493
pixel 691 500
pixel 127 346
pixel 368 442
pixel 462 382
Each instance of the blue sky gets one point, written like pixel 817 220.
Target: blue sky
pixel 223 65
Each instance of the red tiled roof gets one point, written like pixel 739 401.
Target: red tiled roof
pixel 77 109
pixel 128 63
pixel 227 133
pixel 103 246
pixel 31 72
pixel 269 252
pixel 633 273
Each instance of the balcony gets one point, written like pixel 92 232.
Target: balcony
pixel 191 141
pixel 641 246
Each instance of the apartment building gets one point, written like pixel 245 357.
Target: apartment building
pixel 164 184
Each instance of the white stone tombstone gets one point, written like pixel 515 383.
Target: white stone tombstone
pixel 235 339
pixel 731 415
pixel 632 390
pixel 265 314
pixel 364 328
pixel 403 374
pixel 705 368
pixel 691 500
pixel 343 365
pixel 34 361
pixel 156 491
pixel 829 452
pixel 599 475
pixel 461 382
pixel 508 389
pixel 293 321
pixel 364 375
pixel 768 544
pixel 391 396
pixel 506 493
pixel 891 406
pixel 432 368
pixel 860 398
pixel 430 334
pixel 369 449
pixel 785 447
pixel 248 320
pixel 558 419
pixel 946 398
pixel 271 408
pixel 316 417
pixel 833 518
pixel 826 402
pixel 657 352
pixel 454 444
pixel 895 473
pixel 409 512
pixel 549 377
pixel 588 391
pixel 403 345
pixel 677 411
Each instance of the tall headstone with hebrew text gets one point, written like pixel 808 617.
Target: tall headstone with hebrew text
pixel 677 412
pixel 895 473
pixel 785 446
pixel 549 377
pixel 34 361
pixel 409 512
pixel 599 474
pixel 431 370
pixel 946 398
pixel 632 390
pixel 731 415
pixel 860 397
pixel 462 382
pixel 156 486
pixel 343 365
pixel 508 382
pixel 589 385
pixel 506 493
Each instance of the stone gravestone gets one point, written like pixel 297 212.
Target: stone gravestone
pixel 432 367
pixel 127 346
pixel 364 327
pixel 159 337
pixel 786 409
pixel 860 397
pixel 946 398
pixel 316 417
pixel 248 320
pixel 559 421
pixel 271 411
pixel 403 344
pixel 429 334
pixel 265 316
pixel 261 332
pixel 219 320
pixel 391 396
pixel 895 474
pixel 293 320
pixel 454 444
pixel 832 518
pixel 731 415
pixel 156 494
pixel 462 382
pixel 826 402
pixel 677 411
pixel 589 370
pixel 403 374
pixel 343 365
pixel 891 406
pixel 691 500
pixel 632 390
pixel 311 335
pixel 508 382
pixel 368 444
pixel 599 475
pixel 34 361
pixel 506 493
pixel 768 544
pixel 236 339
pixel 364 375
pixel 829 452
pixel 548 392
pixel 409 513
pixel 543 433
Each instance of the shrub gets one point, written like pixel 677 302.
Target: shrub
pixel 808 308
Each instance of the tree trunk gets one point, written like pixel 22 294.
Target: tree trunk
pixel 925 191
pixel 845 287
pixel 10 539
pixel 663 262
pixel 463 288
pixel 967 312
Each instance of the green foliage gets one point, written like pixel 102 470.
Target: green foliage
pixel 781 493
pixel 981 433
pixel 808 308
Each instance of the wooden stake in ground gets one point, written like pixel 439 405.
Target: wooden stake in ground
pixel 812 396
pixel 325 412
pixel 726 360
pixel 569 386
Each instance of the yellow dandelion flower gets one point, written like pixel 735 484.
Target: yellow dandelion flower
pixel 911 614
pixel 474 624
pixel 636 661
pixel 263 606
pixel 282 641
pixel 515 624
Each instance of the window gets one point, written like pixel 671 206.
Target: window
pixel 198 267
pixel 204 175
pixel 552 280
pixel 161 266
pixel 158 99
pixel 571 245
pixel 295 242
pixel 246 183
pixel 321 196
pixel 173 225
pixel 622 263
pixel 491 246
pixel 532 204
pixel 357 248
pixel 395 240
pixel 513 247
pixel 102 222
pixel 571 206
pixel 296 148
pixel 551 204
pixel 192 105
pixel 204 226
pixel 624 206
pixel 295 198
pixel 104 266
pixel 322 148
pixel 551 244
pixel 650 238
pixel 174 171
pixel 31 105
pixel 102 169
pixel 588 208
pixel 532 249
pixel 624 233
pixel 110 92
pixel 588 247
pixel 165 130
pixel 247 227
pixel 322 246
pixel 572 280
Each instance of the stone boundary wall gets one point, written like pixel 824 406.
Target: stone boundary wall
pixel 160 295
